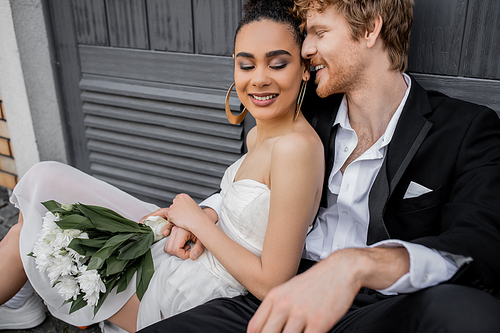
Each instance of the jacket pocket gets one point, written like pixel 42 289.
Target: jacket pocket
pixel 422 202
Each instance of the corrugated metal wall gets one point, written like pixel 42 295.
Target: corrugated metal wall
pixel 152 85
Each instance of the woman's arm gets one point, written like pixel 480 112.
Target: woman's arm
pixel 297 169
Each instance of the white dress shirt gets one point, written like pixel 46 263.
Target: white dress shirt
pixel 344 223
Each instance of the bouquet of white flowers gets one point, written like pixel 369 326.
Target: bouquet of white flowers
pixel 89 250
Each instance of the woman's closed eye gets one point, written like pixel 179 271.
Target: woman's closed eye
pixel 278 66
pixel 244 65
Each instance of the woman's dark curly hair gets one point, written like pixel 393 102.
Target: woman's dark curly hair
pixel 279 11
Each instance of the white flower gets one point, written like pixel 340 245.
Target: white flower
pixel 68 287
pixel 49 227
pixel 43 255
pixel 156 223
pixel 91 284
pixel 50 218
pixel 62 265
pixel 63 238
pixel 77 258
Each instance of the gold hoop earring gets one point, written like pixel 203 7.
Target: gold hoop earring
pixel 300 99
pixel 230 116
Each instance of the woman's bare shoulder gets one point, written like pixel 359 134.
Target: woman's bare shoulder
pixel 302 142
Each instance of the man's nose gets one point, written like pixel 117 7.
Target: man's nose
pixel 308 48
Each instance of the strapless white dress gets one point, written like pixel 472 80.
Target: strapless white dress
pixel 177 285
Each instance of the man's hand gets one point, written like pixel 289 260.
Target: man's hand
pixel 180 244
pixel 317 299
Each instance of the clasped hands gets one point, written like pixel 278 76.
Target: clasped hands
pixel 182 214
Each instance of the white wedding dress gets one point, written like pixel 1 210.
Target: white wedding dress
pixel 176 285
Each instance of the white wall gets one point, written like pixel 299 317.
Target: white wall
pixel 28 85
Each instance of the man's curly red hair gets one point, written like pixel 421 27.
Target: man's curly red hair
pixel 397 17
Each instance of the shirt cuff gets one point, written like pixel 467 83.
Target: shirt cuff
pixel 214 201
pixel 427 268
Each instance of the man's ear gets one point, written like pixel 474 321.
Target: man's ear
pixel 372 35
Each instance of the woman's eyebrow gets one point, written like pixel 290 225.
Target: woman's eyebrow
pixel 276 53
pixel 269 54
pixel 245 55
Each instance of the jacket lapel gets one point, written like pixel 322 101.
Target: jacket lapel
pixel 410 132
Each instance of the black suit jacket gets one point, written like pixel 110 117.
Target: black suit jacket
pixel 449 146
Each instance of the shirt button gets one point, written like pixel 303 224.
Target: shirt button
pixel 346 149
pixel 338 247
pixel 345 213
pixel 424 278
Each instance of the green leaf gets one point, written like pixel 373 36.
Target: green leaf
pixel 103 221
pixel 144 274
pixel 137 248
pixel 86 247
pixel 31 254
pixel 98 258
pixel 109 213
pixel 75 221
pixel 51 205
pixel 127 276
pixel 77 304
pixel 115 265
pixel 55 208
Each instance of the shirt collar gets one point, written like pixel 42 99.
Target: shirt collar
pixel 342 117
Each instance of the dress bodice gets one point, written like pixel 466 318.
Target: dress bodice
pixel 243 217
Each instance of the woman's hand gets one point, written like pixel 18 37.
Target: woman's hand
pixel 185 213
pixel 162 212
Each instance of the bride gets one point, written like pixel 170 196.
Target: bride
pixel 269 196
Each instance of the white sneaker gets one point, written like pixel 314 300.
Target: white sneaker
pixel 109 327
pixel 31 314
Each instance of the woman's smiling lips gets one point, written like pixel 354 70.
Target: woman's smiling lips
pixel 263 99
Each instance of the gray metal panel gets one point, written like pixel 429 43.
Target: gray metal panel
pixel 127 23
pixel 436 38
pixel 151 96
pixel 162 120
pixel 160 157
pixel 481 51
pixel 163 170
pixel 160 132
pixel 90 22
pixel 69 73
pixel 215 22
pixel 170 25
pixel 483 92
pixel 164 67
pixel 150 136
pixel 162 146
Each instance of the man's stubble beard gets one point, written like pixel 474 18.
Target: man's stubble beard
pixel 344 80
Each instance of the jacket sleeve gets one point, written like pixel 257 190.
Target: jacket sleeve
pixel 471 217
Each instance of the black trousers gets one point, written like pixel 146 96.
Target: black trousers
pixel 443 308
